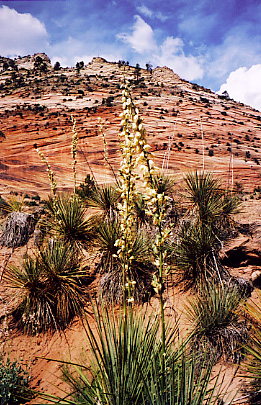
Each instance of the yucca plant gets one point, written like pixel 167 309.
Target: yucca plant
pixel 34 310
pixel 218 328
pixel 105 198
pixel 204 192
pixel 111 267
pixel 107 232
pixel 122 366
pixel 252 367
pixel 64 273
pixel 195 256
pixel 188 380
pixel 163 183
pixel 213 206
pixel 66 217
pixel 120 350
pixel 15 204
pixel 231 206
pixel 49 287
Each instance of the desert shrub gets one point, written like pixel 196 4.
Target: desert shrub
pixel 140 210
pixel 217 327
pixel 252 367
pixel 3 205
pixel 105 198
pixel 198 241
pixel 85 189
pixel 49 287
pixel 141 270
pixel 14 384
pixel 66 217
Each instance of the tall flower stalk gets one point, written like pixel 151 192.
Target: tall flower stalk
pixel 49 170
pixel 74 150
pixel 128 178
pixel 135 151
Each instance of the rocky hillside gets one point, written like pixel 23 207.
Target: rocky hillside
pixel 188 126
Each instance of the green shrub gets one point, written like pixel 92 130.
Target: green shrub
pixel 49 287
pixel 14 384
pixel 218 329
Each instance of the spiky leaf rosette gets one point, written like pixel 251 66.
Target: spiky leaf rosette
pixel 66 217
pixel 252 367
pixel 105 198
pixel 218 328
pixel 49 287
pixel 34 310
pixel 111 267
pixel 194 255
pixel 64 272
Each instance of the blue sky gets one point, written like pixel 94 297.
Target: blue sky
pixel 215 43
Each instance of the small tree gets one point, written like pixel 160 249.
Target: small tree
pixel 13 65
pixel 57 66
pixel 137 72
pixel 40 65
pixel 149 67
pixel 79 66
pixel 5 66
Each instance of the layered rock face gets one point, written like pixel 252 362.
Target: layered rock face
pixel 188 127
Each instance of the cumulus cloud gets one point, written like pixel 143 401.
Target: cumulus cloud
pixel 238 48
pixel 168 53
pixel 245 85
pixel 21 34
pixel 171 54
pixel 142 37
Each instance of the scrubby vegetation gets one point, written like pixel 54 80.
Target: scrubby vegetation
pixel 14 384
pixel 141 238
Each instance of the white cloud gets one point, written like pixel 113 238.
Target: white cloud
pixel 142 37
pixel 238 48
pixel 169 53
pixel 144 10
pixel 245 85
pixel 172 55
pixel 21 34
